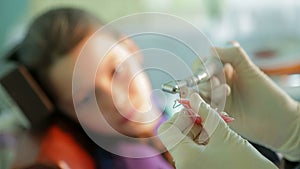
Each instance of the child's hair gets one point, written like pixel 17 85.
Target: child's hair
pixel 52 36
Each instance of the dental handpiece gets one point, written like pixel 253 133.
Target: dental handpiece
pixel 187 86
pixel 210 67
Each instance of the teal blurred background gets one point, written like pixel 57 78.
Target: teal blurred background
pixel 15 15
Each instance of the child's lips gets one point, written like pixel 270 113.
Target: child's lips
pixel 127 117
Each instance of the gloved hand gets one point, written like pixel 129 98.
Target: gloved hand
pixel 263 112
pixel 224 150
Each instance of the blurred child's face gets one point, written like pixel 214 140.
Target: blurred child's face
pixel 122 90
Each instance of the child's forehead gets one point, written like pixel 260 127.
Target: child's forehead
pixel 103 51
pixel 106 45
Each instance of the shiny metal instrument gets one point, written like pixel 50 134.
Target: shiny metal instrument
pixel 203 74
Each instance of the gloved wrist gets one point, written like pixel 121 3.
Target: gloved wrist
pixel 291 148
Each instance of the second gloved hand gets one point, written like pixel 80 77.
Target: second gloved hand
pixel 263 112
pixel 224 150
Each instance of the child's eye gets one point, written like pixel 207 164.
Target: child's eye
pixel 118 70
pixel 113 72
pixel 86 99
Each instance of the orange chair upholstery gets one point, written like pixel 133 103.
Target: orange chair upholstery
pixel 61 148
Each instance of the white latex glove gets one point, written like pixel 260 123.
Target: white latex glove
pixel 213 91
pixel 263 112
pixel 224 150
